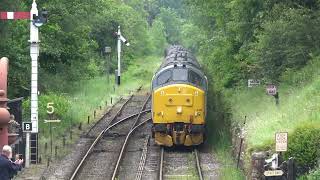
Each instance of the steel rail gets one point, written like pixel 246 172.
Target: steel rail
pixel 98 138
pixel 113 105
pixel 161 163
pixel 103 116
pixel 134 127
pixel 113 118
pixel 75 172
pixel 142 159
pixel 196 154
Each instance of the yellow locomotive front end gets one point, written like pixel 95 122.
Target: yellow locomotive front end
pixel 179 100
pixel 178 113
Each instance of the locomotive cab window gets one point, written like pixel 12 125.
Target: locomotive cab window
pixel 196 79
pixel 164 77
pixel 180 74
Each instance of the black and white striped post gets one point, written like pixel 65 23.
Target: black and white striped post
pixel 120 39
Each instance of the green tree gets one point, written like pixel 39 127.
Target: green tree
pixel 172 24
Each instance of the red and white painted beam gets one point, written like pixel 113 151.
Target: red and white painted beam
pixel 14 15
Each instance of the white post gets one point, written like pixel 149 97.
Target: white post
pixel 119 55
pixel 275 160
pixel 27 155
pixel 34 53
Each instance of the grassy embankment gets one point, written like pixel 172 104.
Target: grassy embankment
pixel 86 97
pixel 218 130
pixel 298 113
pixel 219 137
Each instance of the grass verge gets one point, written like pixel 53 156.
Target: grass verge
pixel 228 170
pixel 299 108
pixel 219 136
pixel 87 96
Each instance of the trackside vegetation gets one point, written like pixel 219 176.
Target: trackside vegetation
pixel 75 107
pixel 297 113
pixel 235 40
pixel 275 42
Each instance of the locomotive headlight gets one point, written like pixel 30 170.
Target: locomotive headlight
pixel 179 110
pixel 160 113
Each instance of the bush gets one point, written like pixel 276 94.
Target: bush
pixel 288 42
pixel 61 106
pixel 304 145
pixel 314 174
pixel 306 75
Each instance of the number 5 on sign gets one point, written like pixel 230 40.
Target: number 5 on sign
pixel 50 108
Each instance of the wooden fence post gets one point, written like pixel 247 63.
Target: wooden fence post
pixel 291 175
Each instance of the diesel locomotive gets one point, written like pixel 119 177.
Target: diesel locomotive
pixel 179 90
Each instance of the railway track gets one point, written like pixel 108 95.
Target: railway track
pixel 170 159
pixel 100 125
pixel 138 122
pixel 99 158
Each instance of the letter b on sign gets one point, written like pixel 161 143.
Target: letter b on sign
pixel 27 126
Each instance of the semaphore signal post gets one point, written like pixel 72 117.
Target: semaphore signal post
pixel 120 39
pixel 36 21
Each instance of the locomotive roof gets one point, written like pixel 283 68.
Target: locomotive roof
pixel 178 55
pixel 178 67
pixel 176 59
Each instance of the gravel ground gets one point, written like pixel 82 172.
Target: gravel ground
pixel 179 163
pixel 33 173
pixel 102 123
pixel 209 164
pixel 64 169
pixel 100 163
pixel 130 161
pixel 151 168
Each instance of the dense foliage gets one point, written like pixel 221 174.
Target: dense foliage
pixel 73 40
pixel 256 39
pixel 268 40
pixel 305 136
pixel 234 39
